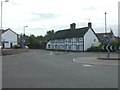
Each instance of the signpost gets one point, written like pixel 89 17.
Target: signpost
pixel 108 41
pixel 109 49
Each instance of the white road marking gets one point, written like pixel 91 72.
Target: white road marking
pixel 87 65
pixel 51 53
pixel 75 60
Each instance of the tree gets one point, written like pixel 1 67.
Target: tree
pixel 37 42
pixel 49 35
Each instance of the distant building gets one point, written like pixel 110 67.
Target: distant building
pixel 103 37
pixel 73 39
pixel 9 38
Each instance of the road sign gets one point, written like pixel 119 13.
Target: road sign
pixel 108 48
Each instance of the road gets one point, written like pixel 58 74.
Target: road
pixel 47 69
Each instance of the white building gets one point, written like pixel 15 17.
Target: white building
pixel 9 38
pixel 73 39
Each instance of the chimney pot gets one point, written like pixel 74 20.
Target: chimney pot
pixel 72 26
pixel 90 25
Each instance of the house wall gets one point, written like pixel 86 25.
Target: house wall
pixel 90 39
pixel 48 45
pixel 72 44
pixel 11 37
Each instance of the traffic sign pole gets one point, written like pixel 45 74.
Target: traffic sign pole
pixel 108 54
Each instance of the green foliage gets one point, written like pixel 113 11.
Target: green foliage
pixel 49 35
pixel 38 42
pixel 115 44
pixel 95 49
pixel 16 46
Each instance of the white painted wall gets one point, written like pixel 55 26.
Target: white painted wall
pixel 47 45
pixel 89 39
pixel 11 37
pixel 64 44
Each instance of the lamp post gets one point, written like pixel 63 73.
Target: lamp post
pixel 1 45
pixel 23 39
pixel 24 29
pixel 107 37
pixel 105 23
pixel 1 20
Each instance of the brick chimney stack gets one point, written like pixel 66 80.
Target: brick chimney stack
pixel 72 26
pixel 90 25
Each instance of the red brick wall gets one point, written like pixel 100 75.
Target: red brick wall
pixel 14 51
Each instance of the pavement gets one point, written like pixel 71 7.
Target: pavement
pixel 95 61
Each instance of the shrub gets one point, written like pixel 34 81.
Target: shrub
pixel 95 49
pixel 16 46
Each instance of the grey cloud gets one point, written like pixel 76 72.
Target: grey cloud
pixel 43 16
pixel 90 8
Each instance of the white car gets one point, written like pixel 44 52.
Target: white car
pixel 26 47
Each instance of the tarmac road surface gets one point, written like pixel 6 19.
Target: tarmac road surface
pixel 50 69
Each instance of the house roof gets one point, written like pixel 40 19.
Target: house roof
pixel 102 35
pixel 70 33
pixel 3 31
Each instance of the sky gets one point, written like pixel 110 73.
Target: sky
pixel 43 15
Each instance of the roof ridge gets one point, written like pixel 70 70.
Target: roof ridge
pixel 70 33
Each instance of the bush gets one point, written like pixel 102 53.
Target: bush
pixel 95 49
pixel 17 46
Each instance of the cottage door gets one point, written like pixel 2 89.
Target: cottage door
pixel 11 45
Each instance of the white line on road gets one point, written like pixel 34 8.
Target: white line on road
pixel 87 65
pixel 51 53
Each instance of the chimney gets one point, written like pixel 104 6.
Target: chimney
pixel 90 25
pixel 72 26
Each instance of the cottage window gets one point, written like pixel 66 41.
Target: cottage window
pixel 77 47
pixel 81 39
pixel 66 40
pixel 55 41
pixel 49 46
pixel 70 40
pixel 94 40
pixel 58 41
pixel 74 40
pixel 51 42
pixel 69 47
pixel 81 44
pixel 62 41
pixel 77 39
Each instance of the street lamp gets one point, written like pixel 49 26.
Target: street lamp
pixel 23 38
pixel 105 36
pixel 1 45
pixel 1 19
pixel 24 29
pixel 1 10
